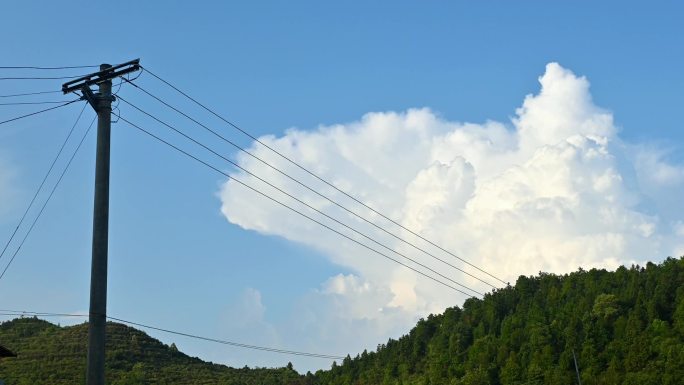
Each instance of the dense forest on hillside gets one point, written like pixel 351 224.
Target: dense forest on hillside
pixel 52 355
pixel 625 327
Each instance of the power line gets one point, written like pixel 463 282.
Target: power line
pixel 39 112
pixel 9 312
pixel 224 342
pixel 291 208
pixel 44 68
pixel 294 180
pixel 31 103
pixel 42 183
pixel 299 200
pixel 317 176
pixel 30 93
pixel 178 333
pixel 115 94
pixel 39 77
pixel 33 224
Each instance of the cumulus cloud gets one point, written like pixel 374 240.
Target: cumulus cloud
pixel 552 190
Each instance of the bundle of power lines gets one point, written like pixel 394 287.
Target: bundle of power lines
pixel 362 211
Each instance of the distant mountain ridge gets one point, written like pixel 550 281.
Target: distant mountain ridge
pixel 625 327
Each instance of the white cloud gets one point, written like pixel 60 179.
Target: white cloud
pixel 553 190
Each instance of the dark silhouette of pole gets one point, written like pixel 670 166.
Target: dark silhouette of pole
pixel 98 273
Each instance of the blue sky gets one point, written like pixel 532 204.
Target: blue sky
pixel 176 262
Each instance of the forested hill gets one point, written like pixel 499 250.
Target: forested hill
pixel 52 355
pixel 626 327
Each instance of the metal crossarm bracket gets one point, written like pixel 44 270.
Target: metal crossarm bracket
pixel 90 97
pixel 101 76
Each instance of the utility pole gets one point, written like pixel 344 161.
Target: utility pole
pixel 98 271
pixel 102 104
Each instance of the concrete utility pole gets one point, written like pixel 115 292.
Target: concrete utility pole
pixel 102 104
pixel 98 272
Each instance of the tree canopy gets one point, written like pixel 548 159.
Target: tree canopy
pixel 625 327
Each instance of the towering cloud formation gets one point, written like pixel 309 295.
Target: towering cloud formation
pixel 553 190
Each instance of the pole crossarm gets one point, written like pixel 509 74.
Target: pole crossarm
pixel 101 76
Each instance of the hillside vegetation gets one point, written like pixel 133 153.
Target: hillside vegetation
pixel 625 327
pixel 52 355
